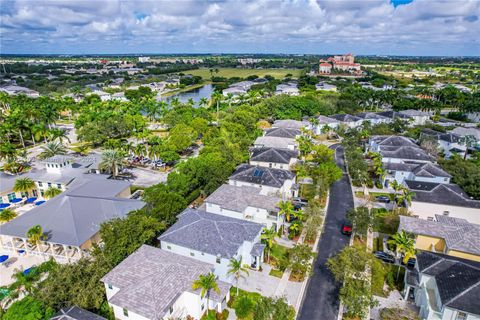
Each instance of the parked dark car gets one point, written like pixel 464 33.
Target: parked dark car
pixel 385 257
pixel 347 228
pixel 410 263
pixel 301 201
pixel 383 199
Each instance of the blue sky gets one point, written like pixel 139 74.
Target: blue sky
pixel 396 27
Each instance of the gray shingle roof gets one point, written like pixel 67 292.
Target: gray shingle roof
pixel 441 193
pixel 448 137
pixel 283 132
pixel 394 141
pixel 458 280
pixel 393 115
pixel 239 198
pixel 458 234
pixel 292 124
pixel 151 279
pixel 76 313
pixel 74 216
pixel 261 175
pixel 370 115
pixel 326 120
pixel 414 113
pixel 408 153
pixel 420 170
pixel 257 249
pixel 475 132
pixel 211 233
pixel 346 117
pixel 274 142
pixel 274 155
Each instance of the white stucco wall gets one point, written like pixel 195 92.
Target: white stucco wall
pixel 424 210
pixel 284 166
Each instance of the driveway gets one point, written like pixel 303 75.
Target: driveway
pixel 321 297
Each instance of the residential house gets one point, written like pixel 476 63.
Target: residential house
pixel 445 287
pixel 323 86
pixel 246 203
pixel 469 133
pixel 373 118
pixel 75 313
pixel 273 158
pixel 282 133
pixel 16 90
pixel 70 221
pixel 290 89
pixel 444 199
pixel 393 115
pixel 215 239
pixel 451 236
pixel 348 120
pixel 448 143
pixel 275 142
pixel 324 121
pixel 398 149
pixel 418 117
pixel 153 284
pixel 378 143
pixel 271 181
pixel 290 124
pixel 425 172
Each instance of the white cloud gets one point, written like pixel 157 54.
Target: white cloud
pixel 376 26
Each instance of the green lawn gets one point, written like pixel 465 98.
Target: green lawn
pixel 243 73
pixel 276 273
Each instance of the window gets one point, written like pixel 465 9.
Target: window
pixel 49 184
pixel 203 306
pixel 125 312
pixel 171 310
pixel 270 165
pixel 192 254
pixel 219 259
pixel 110 286
pixel 11 196
pixel 59 186
pixel 446 213
pixel 461 316
pixel 40 184
pixel 169 247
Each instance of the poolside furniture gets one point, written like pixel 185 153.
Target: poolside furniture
pixel 4 205
pixel 16 200
pixel 40 202
pixel 3 258
pixel 31 200
pixel 27 271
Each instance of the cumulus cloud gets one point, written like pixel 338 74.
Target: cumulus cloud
pixel 420 27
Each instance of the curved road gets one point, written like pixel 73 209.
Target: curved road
pixel 320 301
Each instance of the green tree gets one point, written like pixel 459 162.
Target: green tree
pixel 24 185
pixel 51 192
pixel 7 215
pixel 361 218
pixel 112 161
pixel 52 149
pixel 35 235
pixel 237 269
pixel 243 306
pixel 268 238
pixel 28 308
pixel 300 260
pixel 181 137
pixel 206 283
pixel 404 244
pixel 273 308
pixel 286 209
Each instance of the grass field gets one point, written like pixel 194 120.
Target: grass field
pixel 243 73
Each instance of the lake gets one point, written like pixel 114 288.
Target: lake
pixel 195 94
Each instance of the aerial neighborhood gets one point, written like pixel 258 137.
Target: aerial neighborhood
pixel 307 184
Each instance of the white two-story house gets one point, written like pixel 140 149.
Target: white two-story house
pixel 153 284
pixel 247 203
pixel 426 172
pixel 215 239
pixel 274 158
pixel 445 287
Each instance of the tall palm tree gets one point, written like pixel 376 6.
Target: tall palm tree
pixel 51 192
pixel 51 149
pixel 203 102
pixel 406 196
pixel 112 160
pixel 24 185
pixel 59 135
pixel 404 244
pixel 35 235
pixel 286 208
pixel 7 215
pixel 268 237
pixel 236 268
pixel 207 283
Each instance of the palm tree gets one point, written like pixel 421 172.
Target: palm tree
pixel 24 185
pixel 207 283
pixel 58 134
pixel 51 192
pixel 51 149
pixel 268 237
pixel 286 208
pixel 295 227
pixel 7 215
pixel 203 102
pixel 35 235
pixel 236 268
pixel 406 196
pixel 112 160
pixel 404 243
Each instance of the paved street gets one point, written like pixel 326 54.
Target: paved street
pixel 321 297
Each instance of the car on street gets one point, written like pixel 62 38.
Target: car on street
pixel 383 199
pixel 385 257
pixel 347 228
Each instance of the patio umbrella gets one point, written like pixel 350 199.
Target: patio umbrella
pixel 3 258
pixel 4 205
pixel 31 200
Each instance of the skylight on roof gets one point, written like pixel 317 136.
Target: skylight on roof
pixel 258 173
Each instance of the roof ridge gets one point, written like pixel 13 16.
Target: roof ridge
pixel 463 292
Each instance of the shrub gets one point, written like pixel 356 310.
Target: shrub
pixel 28 308
pixel 243 306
